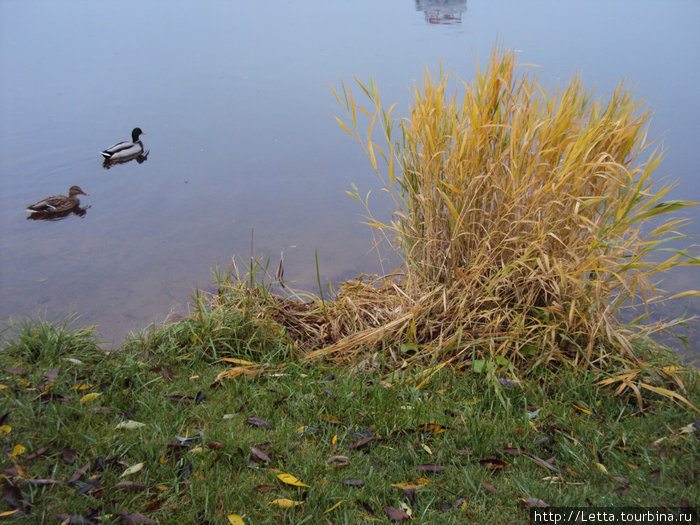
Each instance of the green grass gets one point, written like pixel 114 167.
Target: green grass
pixel 656 450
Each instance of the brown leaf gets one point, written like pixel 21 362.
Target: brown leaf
pixel 353 482
pixel 74 519
pixel 654 474
pixel 215 445
pixel 622 480
pixel 78 473
pixel 38 452
pixel 264 488
pixel 362 442
pixel 259 454
pixel 621 490
pixel 533 502
pixel 131 485
pixel 511 451
pixel 68 455
pixel 41 482
pixel 341 460
pixel 366 506
pixel 258 422
pixel 134 518
pixel 489 487
pixel 544 463
pixel 50 375
pixel 163 370
pixel 430 468
pixel 396 514
pixel 494 463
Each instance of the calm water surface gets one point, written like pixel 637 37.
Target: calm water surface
pixel 236 102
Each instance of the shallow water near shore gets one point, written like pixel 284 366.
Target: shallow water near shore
pixel 236 102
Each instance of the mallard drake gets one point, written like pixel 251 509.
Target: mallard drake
pixel 123 150
pixel 56 204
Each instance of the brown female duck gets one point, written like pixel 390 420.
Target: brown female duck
pixel 56 204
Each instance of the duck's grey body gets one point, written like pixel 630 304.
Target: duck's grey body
pixel 125 149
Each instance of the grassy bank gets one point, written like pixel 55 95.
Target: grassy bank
pixel 161 431
pixel 491 373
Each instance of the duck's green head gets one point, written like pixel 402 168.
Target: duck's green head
pixel 136 132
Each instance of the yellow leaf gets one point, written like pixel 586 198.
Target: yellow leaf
pixel 162 487
pixel 290 480
pixel 238 361
pixel 334 506
pixel 18 450
pixel 132 470
pixel 162 460
pixel 286 503
pixel 601 467
pixel 2 387
pixel 90 397
pixel 5 429
pixel 581 409
pixel 427 448
pixel 129 425
pixel 409 485
pixel 334 439
pixel 194 377
pixel 8 513
pixel 235 519
pixel 197 450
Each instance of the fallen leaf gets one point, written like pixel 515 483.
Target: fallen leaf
pixel 544 463
pixel 342 460
pixel 135 518
pixel 396 514
pixel 90 397
pixel 600 467
pixel 430 468
pixel 362 442
pixel 18 450
pixel 215 445
pixel 290 480
pixel 9 513
pixel 285 503
pixel 410 485
pixel 330 419
pixel 131 485
pixel 129 425
pixel 353 482
pixel 258 422
pixel 38 452
pixel 264 488
pixel 622 480
pixel 489 487
pixel 511 451
pixel 259 454
pixel 78 473
pixel 73 519
pixel 235 519
pixel 132 470
pixel 494 463
pixel 334 507
pixel 5 429
pixel 533 502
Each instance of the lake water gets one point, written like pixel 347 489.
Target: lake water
pixel 236 101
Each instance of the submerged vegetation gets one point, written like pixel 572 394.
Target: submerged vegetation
pixel 474 382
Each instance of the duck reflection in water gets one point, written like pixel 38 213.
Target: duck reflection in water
pixel 138 157
pixel 57 206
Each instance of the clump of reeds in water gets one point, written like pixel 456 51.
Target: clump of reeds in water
pixel 525 218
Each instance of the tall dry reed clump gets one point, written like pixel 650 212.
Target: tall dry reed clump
pixel 524 217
